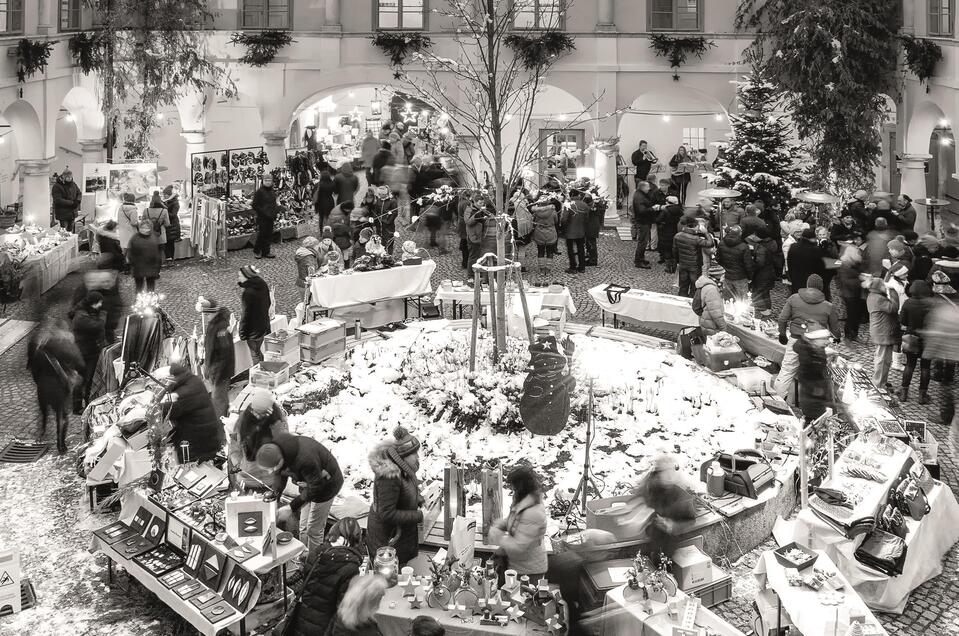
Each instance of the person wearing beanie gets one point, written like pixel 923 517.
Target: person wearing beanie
pixel 804 259
pixel 307 259
pixel 312 467
pixel 128 221
pixel 255 319
pixel 171 200
pixel 884 332
pixel 143 256
pixel 734 255
pixel 266 207
pixel 815 387
pixel 88 323
pixel 219 364
pixel 345 183
pixel 396 509
pixel 806 307
pixel 193 416
pixel 327 249
pixel 545 236
pixel 259 422
pixel 846 229
pixel 156 213
pixel 667 225
pixel 730 213
pixel 708 300
pixel 66 199
pixel 688 246
pixel 912 320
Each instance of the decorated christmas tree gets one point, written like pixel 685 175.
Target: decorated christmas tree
pixel 760 160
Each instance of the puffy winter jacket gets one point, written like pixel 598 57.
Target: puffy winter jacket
pixel 750 223
pixel 687 248
pixel 573 220
pixel 255 320
pixel 520 538
pixel 310 464
pixel 395 508
pixel 731 216
pixel 194 418
pixel 803 260
pixel 544 225
pixel 713 318
pixel 305 259
pixel 331 568
pixel 643 213
pixel 883 318
pixel 807 306
pixel 767 261
pixel 736 257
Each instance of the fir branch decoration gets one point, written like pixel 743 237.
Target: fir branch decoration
pixel 536 51
pixel 678 49
pixel 87 51
pixel 32 56
pixel 922 56
pixel 400 44
pixel 261 46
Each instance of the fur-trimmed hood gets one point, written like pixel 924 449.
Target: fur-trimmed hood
pixel 381 464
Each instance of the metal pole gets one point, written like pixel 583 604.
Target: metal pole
pixel 477 308
pixel 522 298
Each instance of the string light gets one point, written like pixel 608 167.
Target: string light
pixel 719 117
pixel 665 117
pixel 943 122
pixel 68 117
pixel 945 141
pixel 160 116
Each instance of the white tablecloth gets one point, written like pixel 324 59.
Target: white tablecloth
pixel 928 541
pixel 802 603
pixel 648 307
pixel 624 618
pixel 43 271
pixel 367 287
pixel 547 299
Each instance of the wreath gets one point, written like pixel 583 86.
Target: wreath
pixel 677 49
pixel 400 44
pixel 261 46
pixel 922 56
pixel 536 51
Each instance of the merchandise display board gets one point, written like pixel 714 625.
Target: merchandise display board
pixel 228 174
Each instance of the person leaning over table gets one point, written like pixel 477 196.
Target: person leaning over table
pixel 193 416
pixel 708 300
pixel 519 537
pixel 395 513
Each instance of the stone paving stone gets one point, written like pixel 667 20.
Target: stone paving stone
pixel 932 608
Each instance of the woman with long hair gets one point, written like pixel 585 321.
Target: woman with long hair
pixel 680 176
pixel 519 536
pixel 356 615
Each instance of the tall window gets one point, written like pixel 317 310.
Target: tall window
pixel 940 17
pixel 265 14
pixel 11 16
pixel 400 14
pixel 70 15
pixel 676 15
pixel 694 139
pixel 539 14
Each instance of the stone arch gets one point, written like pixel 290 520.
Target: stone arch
pixel 926 117
pixel 84 108
pixel 25 124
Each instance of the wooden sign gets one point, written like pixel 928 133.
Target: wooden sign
pixel 454 497
pixel 432 503
pixel 492 491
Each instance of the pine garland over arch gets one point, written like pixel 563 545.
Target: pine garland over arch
pixel 398 45
pixel 678 49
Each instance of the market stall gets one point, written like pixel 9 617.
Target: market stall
pixel 657 311
pixel 538 298
pixel 45 256
pixel 622 617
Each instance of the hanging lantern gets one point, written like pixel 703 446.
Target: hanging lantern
pixel 387 565
pixel 376 106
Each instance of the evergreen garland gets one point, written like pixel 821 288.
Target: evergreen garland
pixel 32 56
pixel 677 49
pixel 397 45
pixel 261 46
pixel 922 56
pixel 87 51
pixel 538 50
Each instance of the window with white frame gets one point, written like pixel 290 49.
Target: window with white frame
pixel 400 14
pixel 675 15
pixel 265 14
pixel 70 15
pixel 538 14
pixel 694 138
pixel 940 17
pixel 11 16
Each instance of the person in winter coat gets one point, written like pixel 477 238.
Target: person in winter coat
pixel 340 225
pixel 255 318
pixel 345 183
pixel 266 207
pixel 545 220
pixel 805 258
pixel 805 308
pixel 883 306
pixel 815 387
pixel 356 615
pixel 258 423
pixel 679 174
pixel 66 198
pixel 324 197
pixel 307 260
pixel 128 220
pixel 395 513
pixel 56 365
pixel 877 247
pixel 730 214
pixel 594 224
pixel 158 217
pixel 643 218
pixel 904 215
pixel 328 250
pixel 104 280
pixel 767 263
pixel 368 150
pixel 688 248
pixel 382 159
pixel 143 255
pixel 172 202
pixel 475 221
pixel 108 240
pixel 736 257
pixel 519 537
pixel 751 221
pixel 317 473
pixel 573 221
pixel 853 296
pixel 383 214
pixel 912 319
pixel 708 300
pixel 924 252
pixel 219 364
pixel 88 326
pixel 330 568
pixel 667 225
pixel 846 230
pixel 193 417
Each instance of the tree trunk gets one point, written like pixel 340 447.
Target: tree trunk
pixel 496 121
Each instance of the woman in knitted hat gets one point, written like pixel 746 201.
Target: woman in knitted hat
pixel 307 259
pixel 395 512
pixel 143 255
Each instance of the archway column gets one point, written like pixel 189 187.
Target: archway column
pixel 604 158
pixel 331 16
pixel 35 190
pixel 913 169
pixel 195 142
pixel 606 20
pixel 92 150
pixel 275 147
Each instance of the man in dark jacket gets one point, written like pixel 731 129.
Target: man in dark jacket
pixel 768 263
pixel 643 218
pixel 643 160
pixel 806 307
pixel 259 422
pixel 815 388
pixel 66 200
pixel 667 225
pixel 314 469
pixel 688 248
pixel 255 319
pixel 805 258
pixel 594 224
pixel 737 257
pixel 219 364
pixel 266 207
pixel 345 183
pixel 88 332
pixel 383 157
pixel 193 417
pixel 751 221
pixel 857 209
pixel 143 255
pixel 573 221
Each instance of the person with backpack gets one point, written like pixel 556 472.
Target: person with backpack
pixel 708 300
pixel 158 218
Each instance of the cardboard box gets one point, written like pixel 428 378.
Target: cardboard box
pixel 104 465
pixel 691 567
pixel 608 513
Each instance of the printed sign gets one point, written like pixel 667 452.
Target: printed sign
pixel 10 580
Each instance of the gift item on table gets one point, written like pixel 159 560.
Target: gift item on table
pixel 218 612
pixel 241 588
pixel 188 589
pixel 248 516
pixel 205 599
pixel 883 551
pixel 114 533
pixel 175 578
pixel 454 497
pixel 141 519
pixel 160 560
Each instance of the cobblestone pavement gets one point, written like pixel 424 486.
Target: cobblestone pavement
pixel 932 609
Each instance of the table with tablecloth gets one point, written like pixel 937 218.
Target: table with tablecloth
pixel 628 618
pixel 757 343
pixel 803 605
pixel 927 542
pixel 538 299
pixel 655 310
pixel 43 271
pixel 344 290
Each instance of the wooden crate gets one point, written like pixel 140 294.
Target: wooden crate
pixel 316 355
